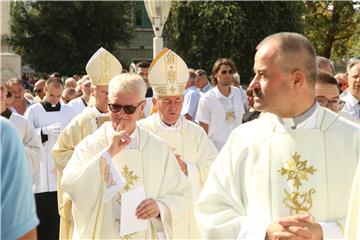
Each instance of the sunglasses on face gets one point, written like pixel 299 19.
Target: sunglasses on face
pixel 128 109
pixel 8 95
pixel 223 72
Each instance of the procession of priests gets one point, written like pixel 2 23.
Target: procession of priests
pixel 117 170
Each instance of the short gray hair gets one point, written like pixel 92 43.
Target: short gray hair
pixel 127 82
pixel 14 81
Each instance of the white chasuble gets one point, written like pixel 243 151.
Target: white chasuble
pixel 150 163
pixel 267 171
pixel 130 164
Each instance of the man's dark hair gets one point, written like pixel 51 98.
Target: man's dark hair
pixel 143 64
pixel 326 78
pixel 54 80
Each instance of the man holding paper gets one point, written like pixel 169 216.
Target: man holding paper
pixel 192 147
pixel 117 163
pixel 101 67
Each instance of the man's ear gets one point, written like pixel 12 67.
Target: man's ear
pixel 298 79
pixel 92 91
pixel 154 101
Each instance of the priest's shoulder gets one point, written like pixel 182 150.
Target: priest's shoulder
pixel 342 121
pixel 193 126
pixel 151 138
pixel 35 106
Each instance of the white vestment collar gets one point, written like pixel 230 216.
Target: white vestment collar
pixel 163 127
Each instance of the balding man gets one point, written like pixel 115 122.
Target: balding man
pixel 325 65
pixel 279 176
pixel 191 97
pixel 68 95
pixel 16 87
pixel 70 82
pixel 39 90
pixel 352 97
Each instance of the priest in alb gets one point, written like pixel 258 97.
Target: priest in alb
pixel 288 174
pixel 101 67
pixel 117 159
pixel 192 147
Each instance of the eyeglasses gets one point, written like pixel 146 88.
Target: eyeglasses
pixel 335 104
pixel 128 109
pixel 9 94
pixel 223 72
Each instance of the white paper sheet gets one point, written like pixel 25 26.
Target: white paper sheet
pixel 129 223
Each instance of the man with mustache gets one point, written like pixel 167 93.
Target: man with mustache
pixel 16 87
pixel 288 174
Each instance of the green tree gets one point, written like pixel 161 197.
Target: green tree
pixel 62 36
pixel 202 32
pixel 331 26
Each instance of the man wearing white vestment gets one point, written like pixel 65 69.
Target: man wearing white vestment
pixel 27 133
pixel 48 118
pixel 194 150
pixel 288 174
pixel 118 159
pixel 100 73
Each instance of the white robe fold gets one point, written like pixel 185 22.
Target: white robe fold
pixel 190 141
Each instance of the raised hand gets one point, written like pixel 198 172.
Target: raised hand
pixel 120 140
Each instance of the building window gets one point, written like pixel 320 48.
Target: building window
pixel 141 18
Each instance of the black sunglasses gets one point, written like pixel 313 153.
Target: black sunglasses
pixel 128 109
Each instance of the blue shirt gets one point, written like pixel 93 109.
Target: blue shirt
pixel 18 214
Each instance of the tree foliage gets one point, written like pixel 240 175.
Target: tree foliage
pixel 203 31
pixel 331 26
pixel 62 36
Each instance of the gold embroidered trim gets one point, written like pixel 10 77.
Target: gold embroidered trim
pixel 298 172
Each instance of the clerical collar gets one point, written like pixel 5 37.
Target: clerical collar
pixel 300 121
pixel 83 100
pixel 49 108
pixel 7 113
pixel 164 127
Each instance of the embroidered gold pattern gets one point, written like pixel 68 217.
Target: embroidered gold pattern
pixel 172 89
pixel 130 177
pixel 108 177
pixel 298 172
pixel 161 90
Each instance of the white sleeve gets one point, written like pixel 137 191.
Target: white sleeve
pixel 193 175
pixel 332 230
pixel 33 146
pixel 203 112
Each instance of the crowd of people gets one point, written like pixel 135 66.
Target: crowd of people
pixel 164 151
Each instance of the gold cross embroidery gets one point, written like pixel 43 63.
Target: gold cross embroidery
pixel 130 177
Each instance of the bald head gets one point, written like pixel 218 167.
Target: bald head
pixel 293 52
pixel 70 82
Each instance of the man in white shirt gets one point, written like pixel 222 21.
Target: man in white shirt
pixel 48 118
pixel 221 109
pixel 352 98
pixel 279 176
pixel 191 98
pixel 202 81
pixel 16 87
pixel 80 103
pixel 27 133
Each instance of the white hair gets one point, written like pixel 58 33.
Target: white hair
pixel 127 82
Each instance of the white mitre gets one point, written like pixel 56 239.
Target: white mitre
pixel 168 74
pixel 102 67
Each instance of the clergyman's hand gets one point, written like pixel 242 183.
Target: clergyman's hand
pixel 291 228
pixel 120 140
pixel 299 224
pixel 148 209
